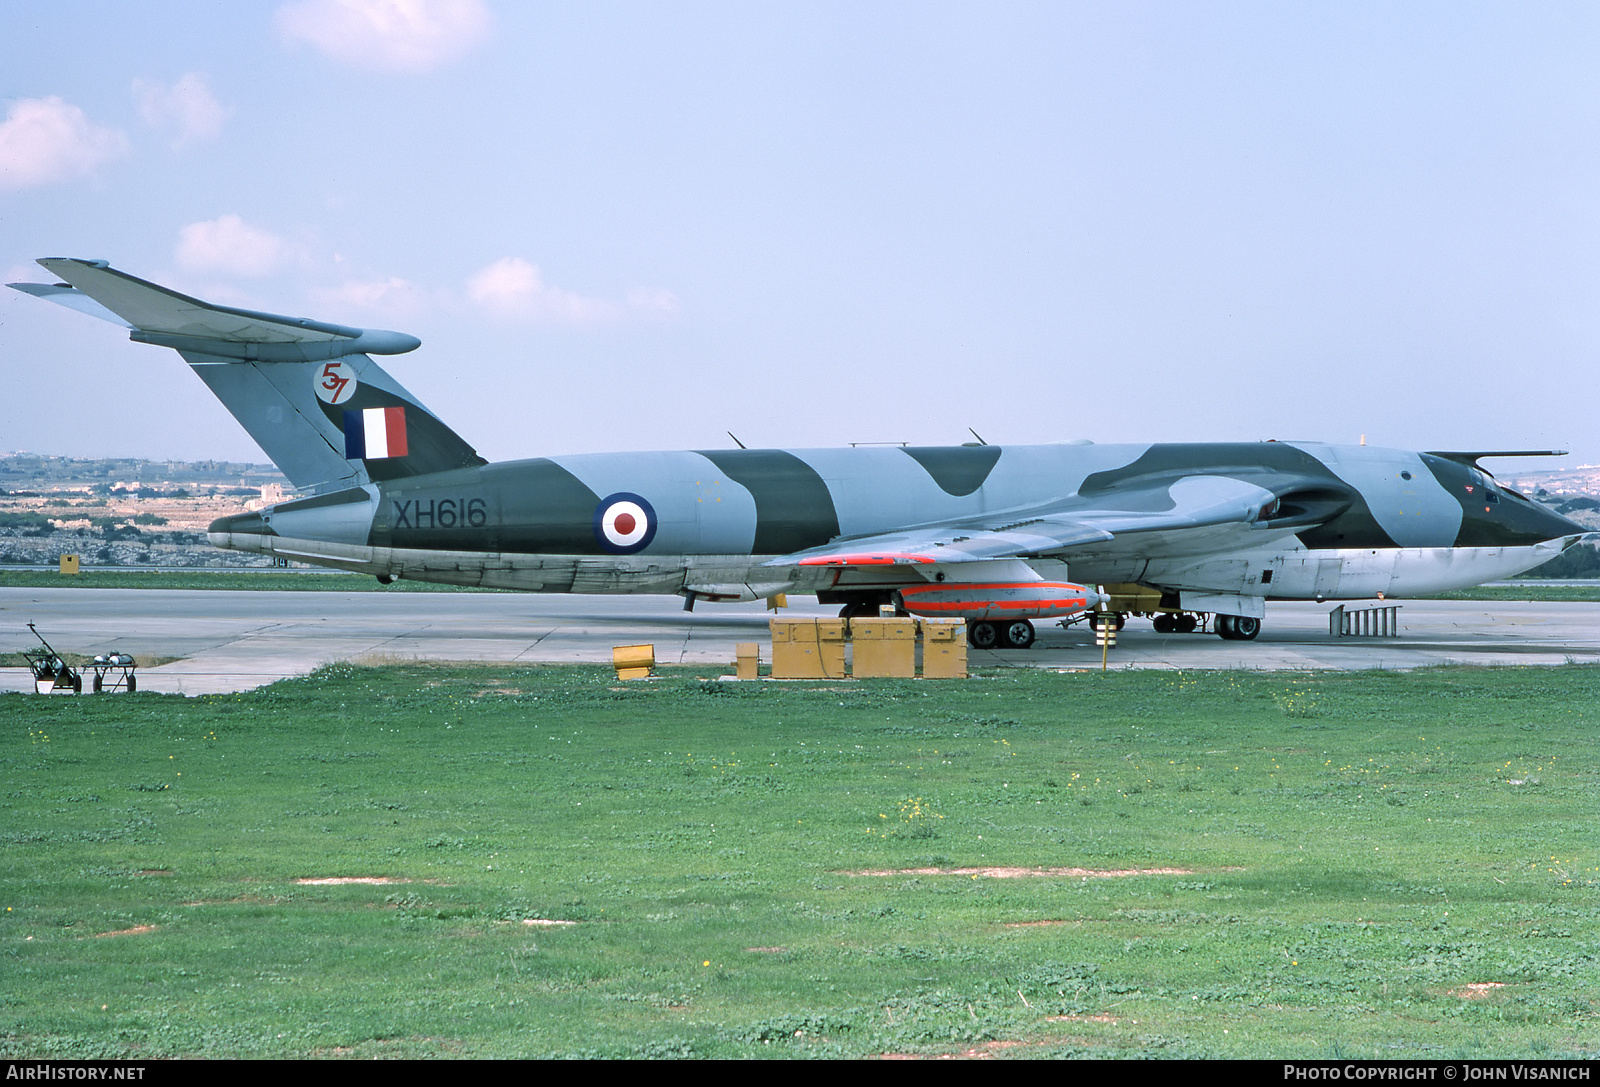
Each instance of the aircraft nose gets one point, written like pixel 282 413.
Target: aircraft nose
pixel 1550 525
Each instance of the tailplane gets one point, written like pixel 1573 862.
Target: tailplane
pixel 307 391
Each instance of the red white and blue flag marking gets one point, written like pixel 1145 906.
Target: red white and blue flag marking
pixel 375 433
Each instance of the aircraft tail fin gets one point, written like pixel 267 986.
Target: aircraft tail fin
pixel 307 391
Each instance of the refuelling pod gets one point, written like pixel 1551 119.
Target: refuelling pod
pixel 997 600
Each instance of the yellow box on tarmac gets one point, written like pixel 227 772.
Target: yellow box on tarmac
pixel 884 648
pixel 807 648
pixel 944 648
pixel 747 660
pixel 633 661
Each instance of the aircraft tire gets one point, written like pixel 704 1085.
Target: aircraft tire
pixel 1163 623
pixel 1238 628
pixel 983 635
pixel 98 683
pixel 1017 634
pixel 1186 623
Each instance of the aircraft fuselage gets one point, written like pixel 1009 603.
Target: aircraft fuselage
pixel 712 522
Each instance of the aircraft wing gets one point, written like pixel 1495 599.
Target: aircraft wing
pixel 1167 516
pixel 956 541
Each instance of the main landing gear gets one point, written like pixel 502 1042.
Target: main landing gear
pixel 1014 634
pixel 1167 622
pixel 1237 628
pixel 1018 633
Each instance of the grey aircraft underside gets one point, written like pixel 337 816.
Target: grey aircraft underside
pixel 998 535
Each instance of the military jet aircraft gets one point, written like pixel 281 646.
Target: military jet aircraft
pixel 998 535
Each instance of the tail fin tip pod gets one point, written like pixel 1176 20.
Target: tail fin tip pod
pixel 293 383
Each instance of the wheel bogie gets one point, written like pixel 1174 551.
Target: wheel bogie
pixel 1238 628
pixel 1017 634
pixel 986 634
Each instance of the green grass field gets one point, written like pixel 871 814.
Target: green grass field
pixel 1558 593
pixel 1396 865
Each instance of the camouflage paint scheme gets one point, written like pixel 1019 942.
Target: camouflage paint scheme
pixel 1215 527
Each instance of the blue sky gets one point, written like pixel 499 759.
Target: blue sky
pixel 638 226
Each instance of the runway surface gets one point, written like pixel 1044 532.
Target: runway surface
pixel 232 641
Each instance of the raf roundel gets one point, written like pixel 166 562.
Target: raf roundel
pixel 624 523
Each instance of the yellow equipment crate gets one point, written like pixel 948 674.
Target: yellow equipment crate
pixel 944 648
pixel 747 660
pixel 69 564
pixel 633 661
pixel 884 648
pixel 807 648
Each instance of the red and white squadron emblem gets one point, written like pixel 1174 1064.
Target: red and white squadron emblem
pixel 624 523
pixel 335 382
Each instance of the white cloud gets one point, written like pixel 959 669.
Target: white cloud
pixel 405 36
pixel 230 245
pixel 511 287
pixel 187 108
pixel 44 140
pixel 393 298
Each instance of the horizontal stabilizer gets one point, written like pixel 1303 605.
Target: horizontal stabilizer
pixel 65 294
pixel 169 319
pixel 1470 457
